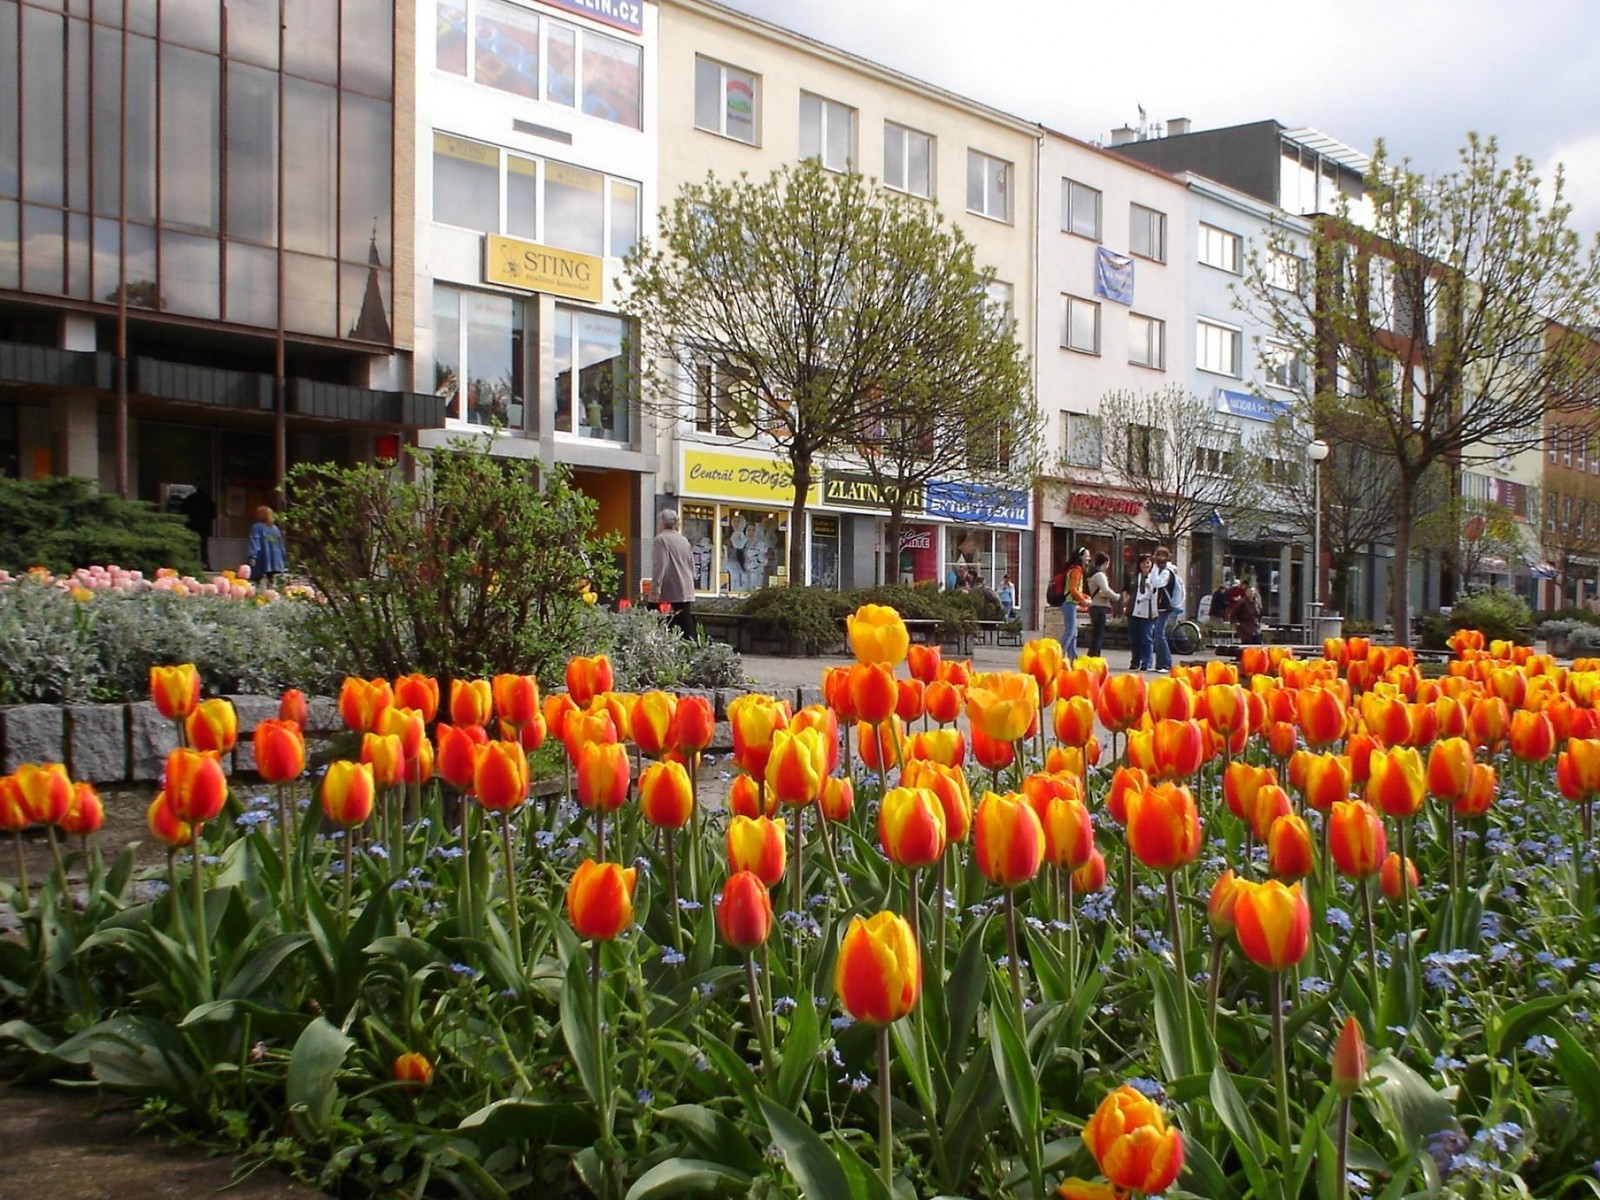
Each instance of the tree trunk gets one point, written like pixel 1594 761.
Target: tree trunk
pixel 1400 595
pixel 894 526
pixel 1338 587
pixel 797 521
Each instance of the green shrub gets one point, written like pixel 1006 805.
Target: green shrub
pixel 647 652
pixel 959 611
pixel 65 523
pixel 1496 613
pixel 806 617
pixel 55 649
pixel 1570 612
pixel 473 568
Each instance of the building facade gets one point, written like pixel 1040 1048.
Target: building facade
pixel 1113 276
pixel 204 259
pixel 740 95
pixel 534 175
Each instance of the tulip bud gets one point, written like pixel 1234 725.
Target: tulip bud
pixel 413 1070
pixel 347 793
pixel 500 776
pixel 756 844
pixel 292 707
pixel 85 813
pixel 196 787
pixel 911 827
pixel 1349 1060
pixel 744 914
pixel 1389 878
pixel 600 899
pixel 419 692
pixel 166 826
pixel 878 976
pixel 280 751
pixel 213 725
pixel 665 797
pixel 175 690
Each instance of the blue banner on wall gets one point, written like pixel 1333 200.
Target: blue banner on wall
pixel 1252 408
pixel 1113 276
pixel 979 503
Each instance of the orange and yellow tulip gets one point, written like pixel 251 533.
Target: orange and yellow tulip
pixel 949 784
pixel 1091 877
pixel 500 780
pixel 420 692
pixel 909 704
pixel 944 746
pixel 693 723
pixel 1397 782
pixel 923 662
pixel 516 699
pixel 797 765
pixel 407 725
pixel 583 728
pixel 1008 840
pixel 1041 660
pixel 588 677
pixel 361 701
pixel 1129 1138
pixel 1289 850
pixel 878 976
pixel 1394 889
pixel 1179 748
pixel 471 701
pixel 911 827
pixel 1449 769
pixel 195 785
pixel 385 754
pixel 748 798
pixel 348 791
pixel 878 635
pixel 41 793
pixel 1533 737
pixel 874 694
pixel 600 899
pixel 1479 796
pixel 1220 905
pixel 838 799
pixel 1163 826
pixel 1168 698
pixel 603 776
pixel 1487 722
pixel 1126 782
pixel 942 702
pixel 1273 923
pixel 879 745
pixel 175 690
pixel 1356 839
pixel 756 844
pixel 1327 781
pixel 744 914
pixel 1321 715
pixel 1068 832
pixel 1003 705
pixel 85 812
pixel 665 797
pixel 1074 720
pixel 457 754
pixel 213 725
pixel 1578 769
pixel 166 826
pixel 755 718
pixel 1122 701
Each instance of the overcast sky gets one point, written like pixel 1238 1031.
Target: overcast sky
pixel 1417 73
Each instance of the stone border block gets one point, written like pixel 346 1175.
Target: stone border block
pixel 32 733
pixel 97 742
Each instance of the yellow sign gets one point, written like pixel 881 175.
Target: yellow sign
pixel 741 477
pixel 536 268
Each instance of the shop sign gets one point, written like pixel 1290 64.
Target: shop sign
pixel 725 476
pixel 1250 407
pixel 1097 504
pixel 917 537
pixel 531 267
pixel 619 14
pixel 852 489
pixel 980 504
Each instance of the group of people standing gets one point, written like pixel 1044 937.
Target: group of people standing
pixel 1150 597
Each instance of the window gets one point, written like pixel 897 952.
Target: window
pixel 1080 209
pixel 988 186
pixel 725 100
pixel 1217 348
pixel 827 132
pixel 1144 450
pixel 466 183
pixel 479 341
pixel 1147 232
pixel 583 210
pixel 1080 327
pixel 1285 369
pixel 1285 271
pixel 1209 460
pixel 907 160
pixel 514 50
pixel 997 303
pixel 723 403
pixel 593 379
pixel 1147 342
pixel 1082 440
pixel 1219 248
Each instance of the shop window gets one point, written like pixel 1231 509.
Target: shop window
pixel 699 524
pixel 480 341
pixel 825 552
pixel 978 558
pixel 755 548
pixel 593 375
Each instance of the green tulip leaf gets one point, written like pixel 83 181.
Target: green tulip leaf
pixel 312 1085
pixel 688 1177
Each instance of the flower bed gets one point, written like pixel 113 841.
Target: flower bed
pixel 955 935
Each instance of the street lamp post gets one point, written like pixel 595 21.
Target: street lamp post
pixel 1316 452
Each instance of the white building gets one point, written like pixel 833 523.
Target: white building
pixel 536 151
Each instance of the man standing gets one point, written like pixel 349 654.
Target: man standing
pixel 1169 600
pixel 672 570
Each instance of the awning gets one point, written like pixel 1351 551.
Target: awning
pixel 1540 570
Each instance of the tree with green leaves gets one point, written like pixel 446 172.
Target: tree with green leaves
pixel 817 314
pixel 476 566
pixel 1188 465
pixel 1441 319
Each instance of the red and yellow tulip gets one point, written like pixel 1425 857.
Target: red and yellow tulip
pixel 878 976
pixel 1129 1138
pixel 600 899
pixel 1273 923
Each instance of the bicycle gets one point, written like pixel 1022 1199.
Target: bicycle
pixel 1185 637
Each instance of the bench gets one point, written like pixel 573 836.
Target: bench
pixel 999 633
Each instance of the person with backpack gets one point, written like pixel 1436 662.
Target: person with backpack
pixel 1170 602
pixel 1068 589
